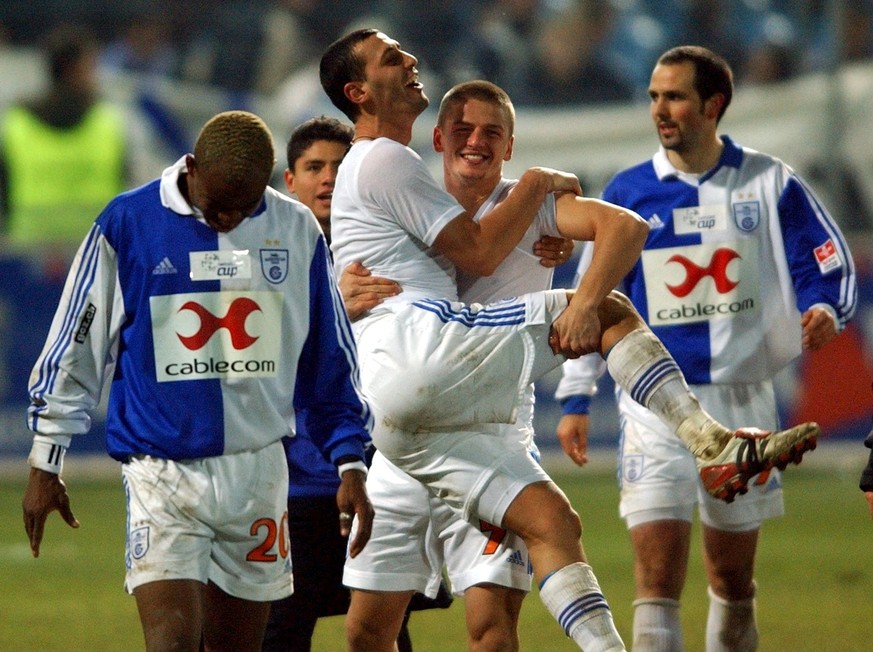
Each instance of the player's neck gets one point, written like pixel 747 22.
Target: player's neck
pixel 697 160
pixel 372 127
pixel 471 194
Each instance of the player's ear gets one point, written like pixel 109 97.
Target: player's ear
pixel 508 154
pixel 355 92
pixel 713 106
pixel 437 139
pixel 289 180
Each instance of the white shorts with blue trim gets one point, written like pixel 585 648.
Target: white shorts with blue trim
pixel 219 519
pixel 440 376
pixel 659 478
pixel 415 534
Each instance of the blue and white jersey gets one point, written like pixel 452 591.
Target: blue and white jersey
pixel 212 341
pixel 733 258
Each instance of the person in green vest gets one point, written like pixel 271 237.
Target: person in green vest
pixel 62 156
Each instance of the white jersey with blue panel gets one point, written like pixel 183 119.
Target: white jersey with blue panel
pixel 211 340
pixel 733 257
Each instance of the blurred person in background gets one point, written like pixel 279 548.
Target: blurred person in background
pixel 63 153
pixel 570 63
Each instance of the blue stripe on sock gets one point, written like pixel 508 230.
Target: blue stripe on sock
pixel 651 379
pixel 580 607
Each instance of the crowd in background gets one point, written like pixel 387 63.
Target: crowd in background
pixel 537 50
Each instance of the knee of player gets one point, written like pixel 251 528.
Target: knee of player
pixel 616 308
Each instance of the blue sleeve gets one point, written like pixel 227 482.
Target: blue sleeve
pixel 327 392
pixel 821 265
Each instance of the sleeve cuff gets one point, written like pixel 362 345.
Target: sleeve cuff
pixel 357 465
pixel 47 454
pixel 576 405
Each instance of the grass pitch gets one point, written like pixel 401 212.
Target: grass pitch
pixel 814 574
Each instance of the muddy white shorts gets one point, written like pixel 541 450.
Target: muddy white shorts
pixel 221 519
pixel 441 376
pixel 437 365
pixel 658 476
pixel 415 534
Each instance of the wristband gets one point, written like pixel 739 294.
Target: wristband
pixel 357 465
pixel 47 456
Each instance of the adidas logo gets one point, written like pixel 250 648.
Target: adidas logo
pixel 164 267
pixel 655 222
pixel 516 558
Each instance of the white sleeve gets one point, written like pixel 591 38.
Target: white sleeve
pixel 409 193
pixel 79 353
pixel 579 377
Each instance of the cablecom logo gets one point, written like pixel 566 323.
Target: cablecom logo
pixel 216 335
pixel 702 282
pixel 694 273
pixel 234 321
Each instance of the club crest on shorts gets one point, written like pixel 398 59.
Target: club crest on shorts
pixel 139 542
pixel 747 215
pixel 632 467
pixel 274 264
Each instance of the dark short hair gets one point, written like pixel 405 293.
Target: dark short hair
pixel 477 89
pixel 712 73
pixel 316 129
pixel 65 46
pixel 341 64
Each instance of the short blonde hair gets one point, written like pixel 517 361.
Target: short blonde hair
pixel 238 147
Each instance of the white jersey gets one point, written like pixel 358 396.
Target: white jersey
pixel 472 553
pixel 388 222
pixel 519 273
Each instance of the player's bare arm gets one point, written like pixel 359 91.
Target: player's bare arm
pixel 45 493
pixel 618 235
pixel 479 247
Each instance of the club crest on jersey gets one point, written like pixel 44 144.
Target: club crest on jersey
pixel 139 542
pixel 274 264
pixel 747 215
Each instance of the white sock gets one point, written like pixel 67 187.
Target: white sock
pixel 657 627
pixel 731 626
pixel 641 365
pixel 573 597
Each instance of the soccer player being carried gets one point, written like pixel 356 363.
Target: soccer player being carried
pixel 441 374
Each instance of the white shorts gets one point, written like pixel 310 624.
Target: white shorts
pixel 221 519
pixel 437 365
pixel 415 534
pixel 440 376
pixel 659 478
